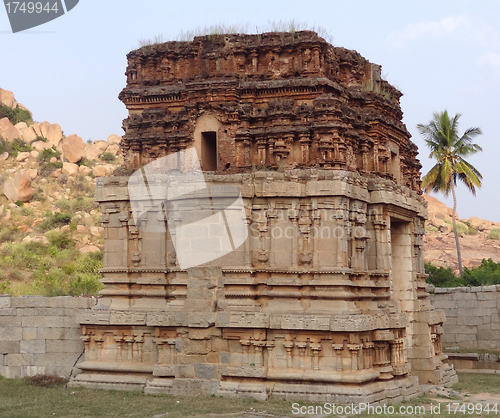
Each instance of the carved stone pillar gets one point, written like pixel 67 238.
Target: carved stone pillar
pixel 302 346
pixel 99 341
pixel 315 348
pixel 258 346
pixel 129 340
pixel 354 350
pixel 368 354
pixel 339 351
pixel 246 348
pixel 293 218
pixel 270 358
pixel 86 342
pixel 119 342
pixel 288 348
pixel 172 351
pixel 305 146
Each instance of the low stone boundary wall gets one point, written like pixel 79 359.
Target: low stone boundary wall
pixel 474 362
pixel 40 335
pixel 472 317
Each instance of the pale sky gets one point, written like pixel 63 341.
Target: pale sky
pixel 442 54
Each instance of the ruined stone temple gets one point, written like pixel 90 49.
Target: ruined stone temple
pixel 323 296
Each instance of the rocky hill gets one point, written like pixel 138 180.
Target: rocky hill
pixel 48 217
pixel 479 238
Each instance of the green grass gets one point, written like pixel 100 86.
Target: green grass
pixel 53 269
pixel 478 383
pixel 22 399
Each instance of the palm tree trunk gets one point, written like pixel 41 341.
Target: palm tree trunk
pixel 453 215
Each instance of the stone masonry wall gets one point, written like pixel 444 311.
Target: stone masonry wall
pixel 472 316
pixel 40 335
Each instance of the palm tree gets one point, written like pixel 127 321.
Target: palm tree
pixel 449 149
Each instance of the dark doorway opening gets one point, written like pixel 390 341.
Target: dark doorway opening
pixel 209 151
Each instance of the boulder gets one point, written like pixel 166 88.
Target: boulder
pixel 22 156
pixel 84 170
pixel 73 148
pixel 21 126
pixel 34 154
pixel 37 129
pixel 89 249
pixel 96 149
pixel 29 134
pixel 80 229
pixel 7 98
pixel 70 169
pixel 56 173
pixel 4 156
pixel 52 132
pixel 114 139
pixel 42 239
pixel 113 149
pixel 40 145
pixel 94 231
pixel 437 209
pixel 18 187
pixel 32 173
pixel 100 171
pixel 8 131
pixel 479 224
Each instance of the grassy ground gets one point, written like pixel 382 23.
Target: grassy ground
pixel 20 399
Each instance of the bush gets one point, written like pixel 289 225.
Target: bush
pixel 82 204
pixel 486 274
pixel 495 234
pixel 55 220
pixel 60 241
pixel 107 157
pixel 15 115
pixel 63 204
pixel 47 154
pixel 39 139
pixel 14 147
pixel 441 277
pixel 50 283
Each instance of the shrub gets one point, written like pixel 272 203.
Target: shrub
pixel 85 284
pixel 82 204
pixel 50 282
pixel 48 168
pixel 60 241
pixel 55 220
pixel 86 163
pixel 15 115
pixel 486 274
pixel 107 157
pixel 14 147
pixel 63 204
pixel 47 154
pixel 441 277
pixel 494 233
pixel 39 139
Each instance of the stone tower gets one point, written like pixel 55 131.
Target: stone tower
pixel 321 296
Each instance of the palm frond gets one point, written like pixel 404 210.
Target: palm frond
pixel 449 150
